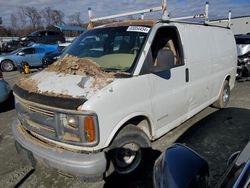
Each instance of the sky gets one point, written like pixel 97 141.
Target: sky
pixel 176 8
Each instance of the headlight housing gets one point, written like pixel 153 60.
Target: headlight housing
pixel 81 128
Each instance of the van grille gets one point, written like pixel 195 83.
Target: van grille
pixel 46 123
pixel 40 111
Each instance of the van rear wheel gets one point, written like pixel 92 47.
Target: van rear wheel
pixel 224 96
pixel 127 152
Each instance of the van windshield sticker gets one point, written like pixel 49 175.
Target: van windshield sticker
pixel 138 29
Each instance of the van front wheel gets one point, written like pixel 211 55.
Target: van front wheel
pixel 128 151
pixel 224 96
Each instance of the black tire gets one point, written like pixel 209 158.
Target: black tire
pixel 7 66
pixel 224 96
pixel 127 152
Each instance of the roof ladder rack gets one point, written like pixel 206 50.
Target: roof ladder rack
pixel 225 20
pixel 141 12
pixel 202 15
pixel 165 16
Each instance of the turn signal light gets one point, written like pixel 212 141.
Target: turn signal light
pixel 89 128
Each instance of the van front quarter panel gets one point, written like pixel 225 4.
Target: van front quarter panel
pixel 120 101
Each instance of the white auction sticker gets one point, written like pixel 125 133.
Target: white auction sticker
pixel 138 29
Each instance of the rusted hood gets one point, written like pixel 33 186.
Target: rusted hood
pixel 67 78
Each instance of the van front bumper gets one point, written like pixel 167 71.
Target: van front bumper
pixel 88 166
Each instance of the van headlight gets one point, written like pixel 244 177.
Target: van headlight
pixel 72 121
pixel 85 126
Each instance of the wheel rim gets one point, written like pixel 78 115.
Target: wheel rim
pixel 225 96
pixel 127 158
pixel 7 66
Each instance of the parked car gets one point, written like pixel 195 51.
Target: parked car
pixel 243 49
pixel 181 167
pixel 45 36
pixel 4 89
pixel 32 55
pixel 99 107
pixel 10 45
pixel 51 57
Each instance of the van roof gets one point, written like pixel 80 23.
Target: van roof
pixel 130 22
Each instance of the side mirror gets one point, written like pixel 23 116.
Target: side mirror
pixel 20 53
pixel 178 167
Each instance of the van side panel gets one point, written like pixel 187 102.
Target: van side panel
pixel 225 59
pixel 197 43
pixel 211 56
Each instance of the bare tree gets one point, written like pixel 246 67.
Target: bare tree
pixel 33 16
pixel 22 18
pixel 47 15
pixel 14 21
pixel 75 18
pixel 57 17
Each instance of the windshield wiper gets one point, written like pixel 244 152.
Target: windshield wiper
pixel 118 72
pixel 112 70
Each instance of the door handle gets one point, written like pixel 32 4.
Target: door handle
pixel 187 75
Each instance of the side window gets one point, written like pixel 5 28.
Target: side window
pixel 28 51
pixel 41 33
pixel 165 52
pixel 52 33
pixel 34 34
pixel 39 50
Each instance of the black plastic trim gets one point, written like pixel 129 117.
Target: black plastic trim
pixel 54 101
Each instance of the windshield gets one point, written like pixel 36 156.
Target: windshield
pixel 114 49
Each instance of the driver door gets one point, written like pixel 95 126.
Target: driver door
pixel 168 82
pixel 28 56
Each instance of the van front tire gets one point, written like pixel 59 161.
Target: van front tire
pixel 127 152
pixel 224 96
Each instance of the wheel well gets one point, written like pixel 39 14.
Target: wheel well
pixel 7 60
pixel 142 122
pixel 228 78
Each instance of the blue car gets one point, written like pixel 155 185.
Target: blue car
pixel 32 55
pixel 4 89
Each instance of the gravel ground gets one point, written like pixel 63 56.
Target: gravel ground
pixel 215 134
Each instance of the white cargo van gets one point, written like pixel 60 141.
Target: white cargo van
pixel 98 108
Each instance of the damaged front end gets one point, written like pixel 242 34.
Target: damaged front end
pixel 51 126
pixel 48 103
pixel 56 124
pixel 243 50
pixel 243 69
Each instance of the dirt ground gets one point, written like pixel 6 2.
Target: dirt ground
pixel 215 134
